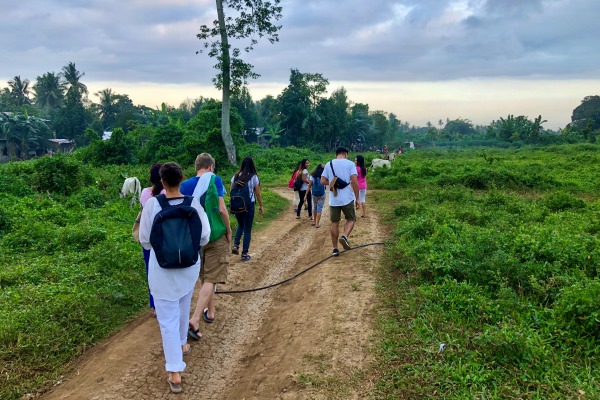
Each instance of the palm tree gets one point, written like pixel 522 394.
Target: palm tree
pixel 49 90
pixel 107 107
pixel 72 77
pixel 19 90
pixel 21 131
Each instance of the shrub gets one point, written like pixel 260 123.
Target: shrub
pixel 577 309
pixel 59 174
pixel 561 201
pixel 89 197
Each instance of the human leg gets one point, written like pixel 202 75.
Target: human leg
pixel 168 315
pixel 309 202
pixel 146 261
pixel 319 202
pixel 302 194
pixel 239 230
pixel 363 200
pixel 204 299
pixel 350 215
pixel 335 214
pixel 248 220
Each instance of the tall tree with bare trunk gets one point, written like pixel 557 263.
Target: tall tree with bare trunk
pixel 253 20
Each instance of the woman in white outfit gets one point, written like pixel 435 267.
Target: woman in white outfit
pixel 172 289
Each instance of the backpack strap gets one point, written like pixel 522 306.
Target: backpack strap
pixel 164 202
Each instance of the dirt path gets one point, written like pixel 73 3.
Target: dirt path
pixel 306 339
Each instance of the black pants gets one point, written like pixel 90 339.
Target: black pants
pixel 305 196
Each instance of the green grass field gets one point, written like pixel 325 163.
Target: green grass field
pixel 499 262
pixel 493 253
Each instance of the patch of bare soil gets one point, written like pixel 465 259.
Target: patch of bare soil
pixel 306 339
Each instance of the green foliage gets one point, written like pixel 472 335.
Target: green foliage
pixel 70 273
pixel 496 256
pixel 577 310
pixel 117 150
pixel 588 112
pixel 562 201
pixel 59 174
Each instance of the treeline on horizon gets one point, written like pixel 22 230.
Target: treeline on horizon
pixel 58 105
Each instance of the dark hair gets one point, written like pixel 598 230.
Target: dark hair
pixel 297 166
pixel 360 161
pixel 318 171
pixel 157 185
pixel 247 169
pixel 340 150
pixel 171 173
pixel 302 165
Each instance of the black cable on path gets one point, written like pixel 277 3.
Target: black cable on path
pixel 297 275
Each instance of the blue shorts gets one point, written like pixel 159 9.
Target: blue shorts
pixel 319 202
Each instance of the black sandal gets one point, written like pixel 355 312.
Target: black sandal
pixel 235 249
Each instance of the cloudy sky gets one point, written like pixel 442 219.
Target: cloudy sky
pixel 423 60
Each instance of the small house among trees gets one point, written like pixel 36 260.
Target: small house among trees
pixel 61 146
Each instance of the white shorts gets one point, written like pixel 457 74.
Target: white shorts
pixel 362 195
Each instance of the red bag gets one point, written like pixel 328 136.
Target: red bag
pixel 291 182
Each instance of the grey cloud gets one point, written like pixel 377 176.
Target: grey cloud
pixel 343 39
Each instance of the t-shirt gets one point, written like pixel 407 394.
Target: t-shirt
pixel 252 183
pixel 147 195
pixel 304 184
pixel 187 187
pixel 362 180
pixel 344 169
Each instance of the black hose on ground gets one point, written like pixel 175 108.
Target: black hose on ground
pixel 297 275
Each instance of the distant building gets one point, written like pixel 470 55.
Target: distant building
pixel 106 135
pixel 61 146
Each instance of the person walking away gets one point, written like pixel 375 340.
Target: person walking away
pixel 246 175
pixel 317 191
pixel 147 193
pixel 362 183
pixel 215 255
pixel 291 186
pixel 341 177
pixel 305 196
pixel 172 288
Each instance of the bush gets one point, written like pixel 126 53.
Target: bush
pixel 561 201
pixel 578 310
pixel 59 174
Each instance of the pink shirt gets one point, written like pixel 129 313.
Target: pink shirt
pixel 147 195
pixel 362 180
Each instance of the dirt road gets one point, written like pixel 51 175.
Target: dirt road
pixel 306 339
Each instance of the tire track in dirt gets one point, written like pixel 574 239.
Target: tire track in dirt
pixel 304 339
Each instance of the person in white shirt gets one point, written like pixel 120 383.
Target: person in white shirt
pixel 341 199
pixel 172 289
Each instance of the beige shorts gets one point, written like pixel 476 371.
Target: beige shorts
pixel 215 261
pixel 335 212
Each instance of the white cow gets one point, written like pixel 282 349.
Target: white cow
pixel 131 186
pixel 391 156
pixel 378 163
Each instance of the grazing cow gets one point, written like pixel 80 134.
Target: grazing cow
pixel 378 163
pixel 131 186
pixel 391 157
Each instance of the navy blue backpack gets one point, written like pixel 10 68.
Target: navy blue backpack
pixel 318 189
pixel 176 232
